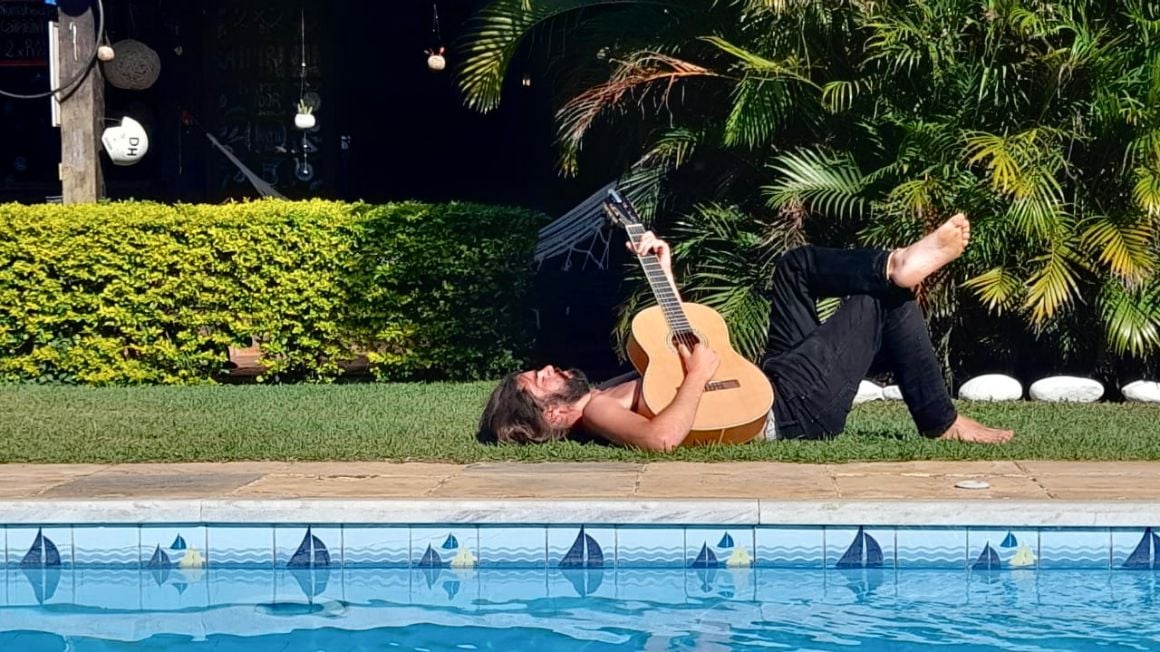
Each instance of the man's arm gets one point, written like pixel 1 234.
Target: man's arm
pixel 669 428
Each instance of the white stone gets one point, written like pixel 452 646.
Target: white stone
pixel 991 387
pixel 867 391
pixel 892 393
pixel 1069 389
pixel 1142 391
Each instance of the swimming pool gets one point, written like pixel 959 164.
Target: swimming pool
pixel 594 609
pixel 448 586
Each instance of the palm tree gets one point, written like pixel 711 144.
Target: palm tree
pixel 766 122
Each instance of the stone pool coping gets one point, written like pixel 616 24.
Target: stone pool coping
pixel 1032 493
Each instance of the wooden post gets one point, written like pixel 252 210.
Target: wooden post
pixel 82 106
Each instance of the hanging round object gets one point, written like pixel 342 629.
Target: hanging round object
pixel 126 143
pixel 526 81
pixel 436 62
pixel 135 66
pixel 304 171
pixel 305 121
pixel 106 53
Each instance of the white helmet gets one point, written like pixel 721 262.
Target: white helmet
pixel 126 143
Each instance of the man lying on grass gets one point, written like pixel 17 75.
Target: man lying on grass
pixel 815 368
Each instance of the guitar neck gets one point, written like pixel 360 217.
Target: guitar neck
pixel 663 291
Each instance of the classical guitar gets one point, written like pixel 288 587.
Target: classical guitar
pixel 736 401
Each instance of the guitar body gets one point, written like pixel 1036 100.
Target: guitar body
pixel 736 403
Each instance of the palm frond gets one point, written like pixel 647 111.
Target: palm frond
pixel 640 72
pixel 759 106
pixel 760 67
pixel 1123 245
pixel 997 288
pixel 827 184
pixel 1146 192
pixel 1052 286
pixel 1131 318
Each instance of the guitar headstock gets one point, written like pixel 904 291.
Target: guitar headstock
pixel 621 212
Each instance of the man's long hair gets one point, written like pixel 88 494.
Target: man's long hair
pixel 513 416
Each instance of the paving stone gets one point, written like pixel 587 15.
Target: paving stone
pixel 736 480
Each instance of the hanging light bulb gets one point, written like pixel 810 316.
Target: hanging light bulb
pixel 526 81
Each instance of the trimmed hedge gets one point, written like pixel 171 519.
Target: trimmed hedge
pixel 131 292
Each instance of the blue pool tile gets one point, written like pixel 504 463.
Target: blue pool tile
pixel 35 547
pixel 240 546
pixel 790 547
pixel 112 546
pixel 1136 548
pixel 513 547
pixel 1002 548
pixel 1075 548
pixel 307 547
pixel 780 587
pixel 517 587
pixel 652 585
pixel 457 587
pixel 453 546
pixel 240 585
pixel 932 586
pixel 650 547
pixel 174 589
pixel 719 583
pixel 312 585
pixel 31 586
pixel 1001 590
pixel 581 547
pixel 719 547
pixel 118 589
pixel 368 546
pixel 177 546
pixel 377 585
pixel 858 585
pixel 858 547
pixel 581 582
pixel 931 547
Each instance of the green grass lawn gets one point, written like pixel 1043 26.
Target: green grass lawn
pixel 436 422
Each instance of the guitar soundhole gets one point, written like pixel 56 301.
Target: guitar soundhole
pixel 688 338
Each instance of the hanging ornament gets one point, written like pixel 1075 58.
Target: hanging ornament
pixel 134 66
pixel 106 53
pixel 304 119
pixel 435 60
pixel 526 81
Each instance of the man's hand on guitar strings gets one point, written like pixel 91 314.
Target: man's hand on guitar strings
pixel 700 363
pixel 651 244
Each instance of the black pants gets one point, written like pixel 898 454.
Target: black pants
pixel 816 368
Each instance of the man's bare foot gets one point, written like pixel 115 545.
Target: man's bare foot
pixel 910 265
pixel 968 430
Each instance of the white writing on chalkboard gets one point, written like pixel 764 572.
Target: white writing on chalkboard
pixel 23 32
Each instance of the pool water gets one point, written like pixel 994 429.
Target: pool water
pixel 622 609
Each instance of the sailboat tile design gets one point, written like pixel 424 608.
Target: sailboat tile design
pixel 307 547
pixel 175 547
pixel 249 546
pixel 581 547
pixel 719 548
pixel 859 547
pixel 376 547
pixel 46 547
pixel 174 588
pixel 315 585
pixel 644 547
pixel 30 586
pixel 992 549
pixel 1075 548
pixel 513 547
pixel 721 583
pixel 932 547
pixel 445 547
pixel 445 586
pixel 111 547
pixel 1136 548
pixel 790 547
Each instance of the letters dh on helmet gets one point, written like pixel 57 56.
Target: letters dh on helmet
pixel 126 143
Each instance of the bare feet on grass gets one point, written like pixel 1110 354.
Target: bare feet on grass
pixel 968 430
pixel 910 265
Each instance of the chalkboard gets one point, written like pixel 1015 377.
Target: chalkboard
pixel 24 33
pixel 255 53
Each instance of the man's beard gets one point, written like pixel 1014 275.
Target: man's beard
pixel 576 387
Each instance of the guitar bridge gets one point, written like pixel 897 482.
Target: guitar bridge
pixel 716 385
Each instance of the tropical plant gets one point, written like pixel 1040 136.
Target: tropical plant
pixel 767 122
